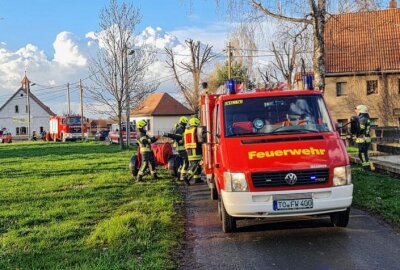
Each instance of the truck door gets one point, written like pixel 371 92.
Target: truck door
pixel 216 148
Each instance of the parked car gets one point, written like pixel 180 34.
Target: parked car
pixel 101 135
pixel 5 136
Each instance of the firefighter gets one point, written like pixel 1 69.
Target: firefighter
pixel 34 135
pixel 148 159
pixel 194 151
pixel 363 137
pixel 177 137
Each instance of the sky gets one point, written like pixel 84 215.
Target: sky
pixel 53 40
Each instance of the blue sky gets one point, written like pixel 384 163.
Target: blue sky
pixel 38 22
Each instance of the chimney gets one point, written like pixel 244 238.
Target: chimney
pixel 393 4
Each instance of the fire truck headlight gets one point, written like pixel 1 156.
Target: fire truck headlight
pixel 342 175
pixel 235 182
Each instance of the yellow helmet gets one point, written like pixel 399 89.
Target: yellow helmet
pixel 183 120
pixel 362 108
pixel 194 122
pixel 141 123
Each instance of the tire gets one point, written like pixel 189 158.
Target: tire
pixel 213 192
pixel 228 222
pixel 340 219
pixel 133 165
pixel 219 210
pixel 172 166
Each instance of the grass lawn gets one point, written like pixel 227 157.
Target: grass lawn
pixel 377 193
pixel 74 206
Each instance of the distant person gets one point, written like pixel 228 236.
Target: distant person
pixel 363 137
pixel 34 135
pixel 148 160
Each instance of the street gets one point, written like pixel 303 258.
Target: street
pixel 304 243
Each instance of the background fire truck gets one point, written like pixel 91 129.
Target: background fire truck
pixel 63 128
pixel 113 135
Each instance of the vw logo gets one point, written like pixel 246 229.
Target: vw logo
pixel 291 179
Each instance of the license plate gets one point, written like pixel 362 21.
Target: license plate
pixel 293 204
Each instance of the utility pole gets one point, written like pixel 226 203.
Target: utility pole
pixel 68 100
pixel 126 84
pixel 229 60
pixel 81 88
pixel 28 90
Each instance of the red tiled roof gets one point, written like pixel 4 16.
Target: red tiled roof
pixel 160 104
pixel 363 41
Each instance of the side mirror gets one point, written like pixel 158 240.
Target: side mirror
pixel 201 134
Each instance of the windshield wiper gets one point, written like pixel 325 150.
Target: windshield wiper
pixel 292 130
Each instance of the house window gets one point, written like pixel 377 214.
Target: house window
pixel 374 122
pixel 372 87
pixel 16 109
pixel 148 124
pixel 342 123
pixel 17 131
pixel 340 89
pixel 22 131
pixel 398 86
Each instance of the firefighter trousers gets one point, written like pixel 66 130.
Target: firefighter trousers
pixel 363 154
pixel 148 161
pixel 182 170
pixel 194 170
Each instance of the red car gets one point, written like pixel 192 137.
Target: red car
pixel 5 136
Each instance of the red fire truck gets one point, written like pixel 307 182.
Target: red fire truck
pixel 113 136
pixel 63 128
pixel 274 154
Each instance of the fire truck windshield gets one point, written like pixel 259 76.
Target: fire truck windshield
pixel 70 121
pixel 275 115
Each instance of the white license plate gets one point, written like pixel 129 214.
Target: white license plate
pixel 293 204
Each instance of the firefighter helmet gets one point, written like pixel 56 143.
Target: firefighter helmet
pixel 362 109
pixel 141 123
pixel 183 120
pixel 194 122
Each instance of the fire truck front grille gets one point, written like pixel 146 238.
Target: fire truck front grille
pixel 75 130
pixel 290 178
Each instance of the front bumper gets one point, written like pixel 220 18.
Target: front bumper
pixel 75 135
pixel 260 204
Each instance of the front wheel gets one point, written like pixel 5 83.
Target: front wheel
pixel 340 219
pixel 213 192
pixel 228 222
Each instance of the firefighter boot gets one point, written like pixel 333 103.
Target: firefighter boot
pixel 154 176
pixel 139 178
pixel 186 180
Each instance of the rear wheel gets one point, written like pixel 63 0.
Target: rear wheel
pixel 340 219
pixel 228 222
pixel 213 192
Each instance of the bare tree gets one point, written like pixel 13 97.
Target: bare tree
pixel 118 72
pixel 199 56
pixel 316 18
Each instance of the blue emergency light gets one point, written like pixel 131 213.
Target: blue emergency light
pixel 308 82
pixel 231 86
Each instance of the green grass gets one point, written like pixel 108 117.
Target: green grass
pixel 377 193
pixel 74 206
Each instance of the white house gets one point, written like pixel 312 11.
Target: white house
pixel 161 111
pixel 14 113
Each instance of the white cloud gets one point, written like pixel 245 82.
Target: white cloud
pixel 67 49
